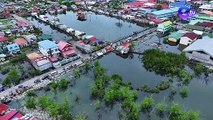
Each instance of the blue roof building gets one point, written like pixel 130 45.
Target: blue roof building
pixel 164 14
pixel 48 48
pixel 13 48
pixel 179 4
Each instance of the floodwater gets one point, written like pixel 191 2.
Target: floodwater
pixel 131 69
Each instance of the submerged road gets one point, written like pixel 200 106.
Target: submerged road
pixel 67 67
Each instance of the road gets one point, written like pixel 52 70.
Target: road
pixel 31 83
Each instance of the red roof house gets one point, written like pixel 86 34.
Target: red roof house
pixel 206 24
pixel 66 49
pixel 3 39
pixel 191 35
pixel 3 108
pixel 11 115
pixel 136 4
pixel 21 42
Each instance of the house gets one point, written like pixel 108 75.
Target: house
pixel 208 6
pixel 45 37
pixel 21 42
pixel 30 38
pixel 49 49
pixel 24 25
pixel 11 115
pixel 164 27
pixel 66 49
pixel 79 34
pixel 205 15
pixel 164 13
pixel 179 4
pixel 174 37
pixel 201 50
pixel 13 48
pixel 39 61
pixel 135 4
pixel 3 39
pixel 188 38
pixel 84 47
pixel 206 24
pixel 3 109
pixel 194 27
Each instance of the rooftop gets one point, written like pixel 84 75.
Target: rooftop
pixel 20 41
pixel 34 56
pixel 47 44
pixel 204 45
pixel 176 35
pixel 165 11
pixel 63 44
pixel 191 35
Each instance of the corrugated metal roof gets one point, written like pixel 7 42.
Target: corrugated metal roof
pixel 165 11
pixel 167 23
pixel 47 44
pixel 204 45
pixel 176 35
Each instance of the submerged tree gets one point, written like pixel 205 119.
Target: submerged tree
pixel 147 104
pixel 30 103
pixel 184 92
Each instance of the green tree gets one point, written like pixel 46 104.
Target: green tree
pixel 76 73
pixel 64 111
pixel 53 109
pixel 87 67
pixel 192 115
pixel 161 108
pixel 43 102
pixel 184 92
pixel 12 78
pixel 30 103
pixel 80 117
pixel 63 84
pixel 159 7
pixel 176 112
pixel 147 103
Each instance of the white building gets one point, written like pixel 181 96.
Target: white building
pixel 201 51
pixel 48 48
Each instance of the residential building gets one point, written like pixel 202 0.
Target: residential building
pixel 208 6
pixel 179 4
pixel 164 13
pixel 21 42
pixel 30 38
pixel 174 37
pixel 48 48
pixel 194 27
pixel 201 50
pixel 188 38
pixel 45 37
pixel 164 27
pixel 3 39
pixel 13 48
pixel 66 49
pixel 39 61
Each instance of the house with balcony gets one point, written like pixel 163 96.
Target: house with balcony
pixel 50 49
pixel 66 49
pixel 39 61
pixel 201 50
pixel 13 48
pixel 164 27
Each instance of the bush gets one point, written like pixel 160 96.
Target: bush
pixel 5 71
pixel 184 92
pixel 147 103
pixel 163 85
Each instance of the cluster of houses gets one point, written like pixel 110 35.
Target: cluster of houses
pixel 7 113
pixel 86 43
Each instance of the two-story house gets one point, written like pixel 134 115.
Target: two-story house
pixel 66 49
pixel 13 48
pixel 49 48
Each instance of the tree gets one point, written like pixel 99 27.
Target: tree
pixel 30 103
pixel 159 6
pixel 192 115
pixel 53 109
pixel 87 67
pixel 80 117
pixel 147 104
pixel 76 73
pixel 43 102
pixel 176 112
pixel 98 104
pixel 161 108
pixel 184 92
pixel 63 84
pixel 12 78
